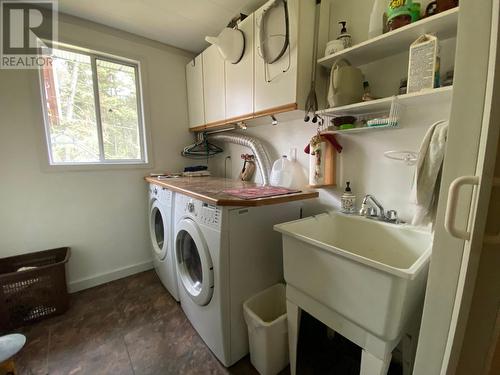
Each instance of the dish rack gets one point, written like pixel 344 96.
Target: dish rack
pixel 389 110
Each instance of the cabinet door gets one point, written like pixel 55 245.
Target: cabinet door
pixel 194 78
pixel 276 84
pixel 239 77
pixel 214 85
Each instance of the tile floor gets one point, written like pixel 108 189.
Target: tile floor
pixel 133 326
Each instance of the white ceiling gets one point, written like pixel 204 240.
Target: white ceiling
pixel 180 23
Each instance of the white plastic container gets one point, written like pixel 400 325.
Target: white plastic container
pixel 265 315
pixel 282 172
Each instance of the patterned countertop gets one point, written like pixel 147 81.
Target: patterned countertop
pixel 211 190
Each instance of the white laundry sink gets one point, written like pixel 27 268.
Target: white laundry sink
pixel 371 273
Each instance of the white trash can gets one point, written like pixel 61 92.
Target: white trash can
pixel 265 315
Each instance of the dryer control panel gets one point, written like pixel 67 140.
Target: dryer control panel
pixel 164 195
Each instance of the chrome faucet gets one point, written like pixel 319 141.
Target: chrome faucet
pixel 371 212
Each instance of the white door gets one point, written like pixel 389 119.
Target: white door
pixel 465 191
pixel 158 229
pixel 239 77
pixel 194 79
pixel 213 85
pixel 194 264
pixel 475 329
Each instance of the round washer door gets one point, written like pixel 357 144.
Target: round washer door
pixel 194 264
pixel 158 229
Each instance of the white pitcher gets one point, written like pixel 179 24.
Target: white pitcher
pixel 346 84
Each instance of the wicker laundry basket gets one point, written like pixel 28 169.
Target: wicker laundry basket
pixel 35 293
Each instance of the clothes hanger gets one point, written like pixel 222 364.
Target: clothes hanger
pixel 201 149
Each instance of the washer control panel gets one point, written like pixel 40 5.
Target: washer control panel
pixel 203 213
pixel 191 206
pixel 210 215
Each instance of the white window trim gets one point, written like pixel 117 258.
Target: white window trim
pixel 144 161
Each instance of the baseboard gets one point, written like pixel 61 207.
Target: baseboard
pixel 89 282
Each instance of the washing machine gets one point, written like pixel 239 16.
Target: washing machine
pixel 161 229
pixel 224 256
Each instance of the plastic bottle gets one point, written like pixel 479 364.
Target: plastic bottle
pixel 376 27
pixel 281 174
pixel 348 200
pixel 344 36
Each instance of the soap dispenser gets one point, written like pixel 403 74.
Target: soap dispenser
pixel 344 36
pixel 348 200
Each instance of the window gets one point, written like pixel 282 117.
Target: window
pixel 93 109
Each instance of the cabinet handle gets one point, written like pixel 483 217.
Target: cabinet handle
pixel 451 209
pixel 493 239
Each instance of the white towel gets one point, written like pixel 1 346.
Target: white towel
pixel 427 181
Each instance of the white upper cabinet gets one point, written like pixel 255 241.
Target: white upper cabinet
pixel 286 81
pixel 251 88
pixel 214 85
pixel 239 77
pixel 194 78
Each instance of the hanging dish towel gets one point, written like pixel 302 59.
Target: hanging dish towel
pixel 427 181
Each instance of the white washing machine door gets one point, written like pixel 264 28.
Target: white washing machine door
pixel 158 229
pixel 194 264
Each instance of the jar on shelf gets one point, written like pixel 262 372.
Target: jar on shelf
pixel 399 14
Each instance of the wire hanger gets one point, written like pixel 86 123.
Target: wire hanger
pixel 201 149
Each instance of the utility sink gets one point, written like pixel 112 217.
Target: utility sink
pixel 369 274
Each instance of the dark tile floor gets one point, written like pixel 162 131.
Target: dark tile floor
pixel 133 326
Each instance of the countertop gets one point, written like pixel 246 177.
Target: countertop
pixel 210 190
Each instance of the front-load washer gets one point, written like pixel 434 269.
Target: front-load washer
pixel 224 256
pixel 161 228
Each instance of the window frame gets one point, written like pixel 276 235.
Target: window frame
pixel 102 162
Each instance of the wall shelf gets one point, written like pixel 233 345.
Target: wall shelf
pixel 444 25
pixel 441 95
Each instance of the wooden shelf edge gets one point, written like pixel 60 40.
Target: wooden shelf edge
pixel 276 110
pixel 231 121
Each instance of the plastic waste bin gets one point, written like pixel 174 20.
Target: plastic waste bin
pixel 265 315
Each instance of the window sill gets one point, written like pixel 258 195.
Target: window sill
pixel 95 167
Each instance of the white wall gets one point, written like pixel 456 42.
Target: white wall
pixel 101 214
pixel 362 160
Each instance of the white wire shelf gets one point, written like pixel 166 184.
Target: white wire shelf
pixel 360 129
pixel 390 107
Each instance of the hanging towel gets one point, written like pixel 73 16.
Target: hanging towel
pixel 427 180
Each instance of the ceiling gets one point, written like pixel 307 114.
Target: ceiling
pixel 180 23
